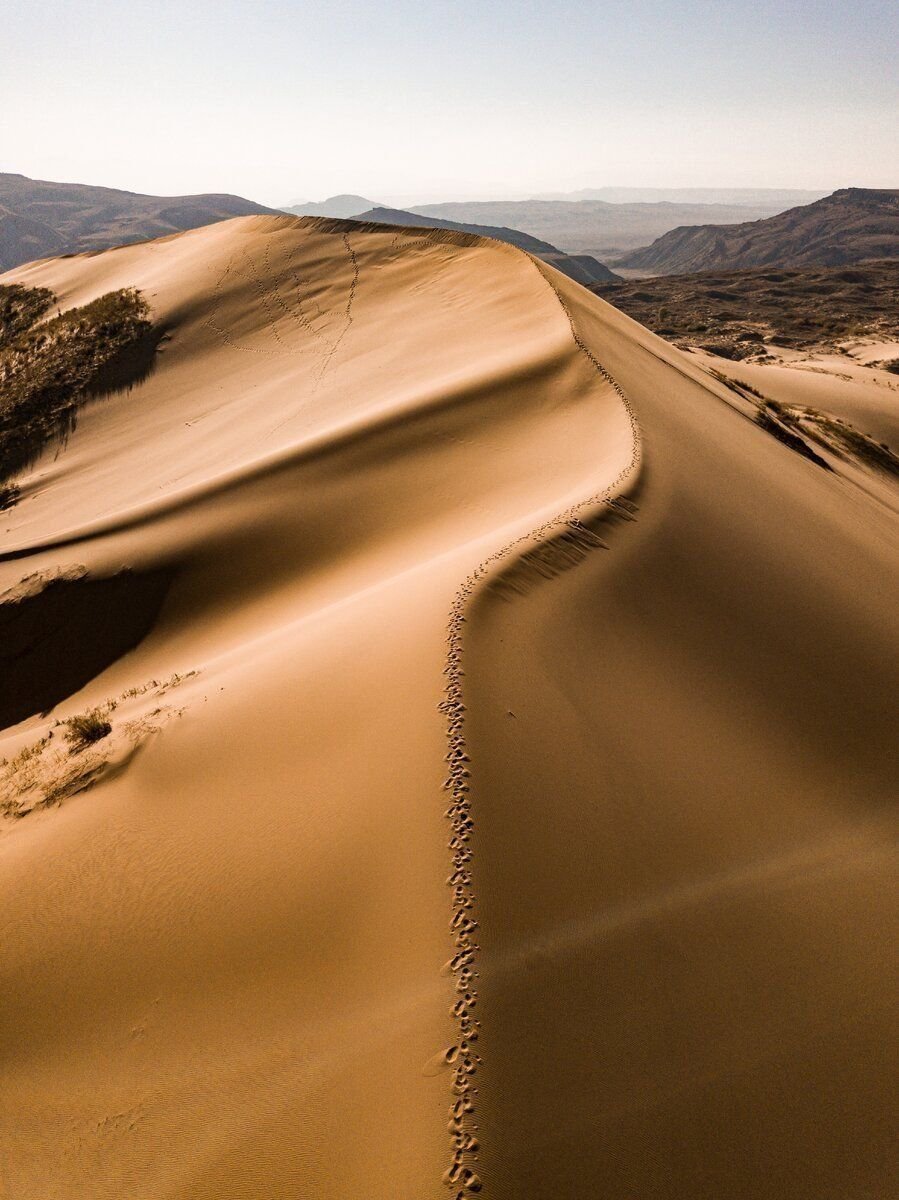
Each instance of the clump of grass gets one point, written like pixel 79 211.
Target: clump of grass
pixel 45 772
pixel 753 391
pixel 20 774
pixel 86 728
pixel 781 426
pixel 792 424
pixel 40 775
pixel 842 438
pixel 162 685
pixel 20 307
pixel 9 495
pixel 48 371
pixel 70 777
pixel 738 386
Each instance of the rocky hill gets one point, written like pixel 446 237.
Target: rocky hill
pixel 39 218
pixel 581 267
pixel 849 226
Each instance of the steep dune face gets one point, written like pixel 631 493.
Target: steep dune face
pixel 439 528
pixel 684 840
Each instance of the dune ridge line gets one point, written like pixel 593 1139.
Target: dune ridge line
pixel 461 1173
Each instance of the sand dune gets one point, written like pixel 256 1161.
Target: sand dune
pixel 450 552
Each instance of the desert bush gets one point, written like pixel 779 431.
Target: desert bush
pixel 49 370
pixel 843 438
pixel 779 425
pixel 86 728
pixel 9 495
pixel 20 307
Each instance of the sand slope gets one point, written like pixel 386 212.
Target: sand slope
pixel 422 499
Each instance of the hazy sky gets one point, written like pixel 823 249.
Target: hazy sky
pixel 289 99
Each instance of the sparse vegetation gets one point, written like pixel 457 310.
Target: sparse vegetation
pixel 9 495
pixel 20 307
pixel 162 687
pixel 47 771
pixel 86 728
pixel 49 370
pixel 799 308
pixel 845 440
pixel 793 424
pixel 741 388
pixel 772 419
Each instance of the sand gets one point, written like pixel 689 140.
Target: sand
pixel 472 581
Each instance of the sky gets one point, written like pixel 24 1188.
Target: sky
pixel 288 100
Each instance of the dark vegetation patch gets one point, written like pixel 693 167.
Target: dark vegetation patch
pixel 798 308
pixel 86 728
pixel 56 637
pixel 9 495
pixel 796 426
pixel 738 386
pixel 772 420
pixel 20 307
pixel 48 370
pixel 844 440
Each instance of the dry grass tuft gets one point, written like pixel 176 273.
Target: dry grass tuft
pixel 86 728
pixel 46 772
pixel 20 307
pixel 49 370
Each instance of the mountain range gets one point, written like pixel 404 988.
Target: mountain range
pixel 778 198
pixel 342 206
pixel 849 226
pixel 39 218
pixel 607 231
pixel 581 267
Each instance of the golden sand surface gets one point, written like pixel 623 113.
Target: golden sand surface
pixel 499 802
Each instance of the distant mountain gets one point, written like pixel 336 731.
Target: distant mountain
pixel 850 226
pixel 606 231
pixel 39 218
pixel 335 206
pixel 581 267
pixel 776 198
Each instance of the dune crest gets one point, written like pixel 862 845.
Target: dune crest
pixel 439 527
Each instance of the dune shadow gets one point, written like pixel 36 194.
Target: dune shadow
pixel 57 637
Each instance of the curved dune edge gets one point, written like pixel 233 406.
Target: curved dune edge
pixel 678 710
pixel 573 523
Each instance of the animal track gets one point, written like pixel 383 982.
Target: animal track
pixel 348 312
pixel 276 308
pixel 557 544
